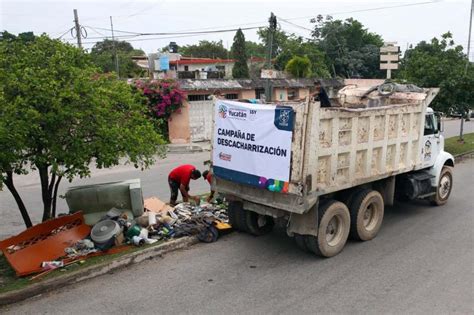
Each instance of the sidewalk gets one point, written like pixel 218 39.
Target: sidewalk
pixel 177 148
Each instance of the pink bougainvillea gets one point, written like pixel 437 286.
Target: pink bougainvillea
pixel 163 96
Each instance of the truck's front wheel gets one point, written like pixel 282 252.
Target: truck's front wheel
pixel 445 185
pixel 334 226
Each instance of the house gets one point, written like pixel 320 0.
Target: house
pixel 194 122
pixel 173 65
pixel 204 68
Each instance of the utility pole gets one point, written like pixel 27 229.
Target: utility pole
pixel 272 27
pixel 469 37
pixel 115 49
pixel 78 29
pixel 461 131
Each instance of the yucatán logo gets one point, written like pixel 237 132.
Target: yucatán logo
pixel 237 113
pixel 223 111
pixel 284 118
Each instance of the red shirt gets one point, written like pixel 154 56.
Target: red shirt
pixel 182 174
pixel 209 177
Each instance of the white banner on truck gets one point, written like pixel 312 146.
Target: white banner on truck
pixel 252 144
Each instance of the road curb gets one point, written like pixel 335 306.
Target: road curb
pixel 460 157
pixel 95 270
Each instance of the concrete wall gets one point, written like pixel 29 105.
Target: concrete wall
pixel 178 126
pixel 200 120
pixel 194 121
pixel 247 94
pixel 280 94
pixel 199 66
pixel 303 93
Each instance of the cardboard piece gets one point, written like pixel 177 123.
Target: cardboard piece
pixel 156 205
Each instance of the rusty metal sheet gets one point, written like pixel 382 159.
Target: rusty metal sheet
pixel 43 242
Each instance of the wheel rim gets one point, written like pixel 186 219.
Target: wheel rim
pixel 444 187
pixel 370 216
pixel 334 230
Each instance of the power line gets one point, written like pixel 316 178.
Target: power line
pixel 108 29
pixel 174 34
pixel 143 10
pixel 291 23
pixel 369 9
pixel 67 31
pixel 153 38
pixel 180 33
pixel 96 31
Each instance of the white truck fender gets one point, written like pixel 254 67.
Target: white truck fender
pixel 443 158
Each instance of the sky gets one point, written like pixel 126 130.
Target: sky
pixel 405 24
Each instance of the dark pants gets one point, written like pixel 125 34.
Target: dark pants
pixel 174 188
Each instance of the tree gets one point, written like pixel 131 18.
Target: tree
pixel 286 46
pixel 350 49
pixel 240 69
pixel 299 67
pixel 103 56
pixel 58 115
pixel 255 49
pixel 278 42
pixel 440 63
pixel 205 49
pixel 297 46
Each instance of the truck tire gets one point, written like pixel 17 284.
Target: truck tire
pixel 333 231
pixel 367 211
pixel 445 185
pixel 258 224
pixel 300 242
pixel 236 214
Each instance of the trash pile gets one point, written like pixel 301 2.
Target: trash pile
pixel 116 228
pixel 185 219
pixel 67 240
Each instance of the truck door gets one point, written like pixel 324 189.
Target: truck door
pixel 431 140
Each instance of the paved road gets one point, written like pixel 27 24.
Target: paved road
pixel 154 183
pixel 452 127
pixel 421 262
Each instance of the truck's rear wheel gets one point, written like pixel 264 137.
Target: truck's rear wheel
pixel 367 210
pixel 445 185
pixel 334 226
pixel 236 214
pixel 258 224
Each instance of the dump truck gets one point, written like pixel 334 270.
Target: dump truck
pixel 329 172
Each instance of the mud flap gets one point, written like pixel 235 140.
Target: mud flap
pixel 304 224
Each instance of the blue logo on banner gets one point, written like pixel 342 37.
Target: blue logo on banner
pixel 284 118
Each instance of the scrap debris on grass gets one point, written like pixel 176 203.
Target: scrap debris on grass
pixel 64 241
